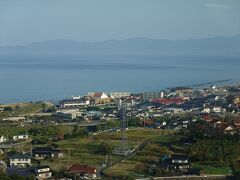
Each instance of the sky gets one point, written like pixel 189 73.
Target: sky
pixel 27 21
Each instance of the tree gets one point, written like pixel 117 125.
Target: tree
pixel 43 105
pixel 9 109
pixel 79 131
pixel 100 148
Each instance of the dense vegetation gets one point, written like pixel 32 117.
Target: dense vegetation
pixel 217 151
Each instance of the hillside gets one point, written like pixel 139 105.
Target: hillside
pixel 208 46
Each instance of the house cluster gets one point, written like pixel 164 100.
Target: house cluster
pixel 215 125
pixel 21 163
pixel 20 137
pixel 75 107
pixel 92 98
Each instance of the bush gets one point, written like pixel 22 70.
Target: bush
pixel 100 148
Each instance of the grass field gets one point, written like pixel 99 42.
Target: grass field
pixel 135 166
pixel 76 150
pixel 211 169
pixel 28 107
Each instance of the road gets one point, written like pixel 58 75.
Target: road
pixel 204 176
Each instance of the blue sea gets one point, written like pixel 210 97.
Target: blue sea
pixel 53 77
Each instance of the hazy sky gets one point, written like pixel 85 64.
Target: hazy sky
pixel 25 21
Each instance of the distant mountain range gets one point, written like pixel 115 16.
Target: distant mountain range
pixel 208 46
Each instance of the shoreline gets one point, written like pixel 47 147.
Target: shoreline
pixel 220 83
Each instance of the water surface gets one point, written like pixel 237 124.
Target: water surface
pixel 52 77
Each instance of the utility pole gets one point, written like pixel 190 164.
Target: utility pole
pixel 68 155
pixel 31 150
pixel 111 161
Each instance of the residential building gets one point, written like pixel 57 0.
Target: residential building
pixel 206 110
pixel 100 98
pixel 182 90
pixel 43 172
pixel 3 139
pixel 83 171
pixel 119 95
pixel 21 137
pixel 217 109
pixel 69 113
pixel 176 162
pixel 152 95
pixel 180 161
pixel 46 152
pixel 74 103
pixel 20 160
pixel 167 102
pixel 99 95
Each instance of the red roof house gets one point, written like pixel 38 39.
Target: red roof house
pixel 83 170
pixel 207 118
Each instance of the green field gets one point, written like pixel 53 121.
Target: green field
pixel 77 150
pixel 136 165
pixel 211 169
pixel 26 108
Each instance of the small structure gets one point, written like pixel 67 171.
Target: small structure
pixel 152 95
pixel 46 152
pixel 100 98
pixel 176 162
pixel 182 90
pixel 83 171
pixel 21 137
pixel 69 113
pixel 74 102
pixel 119 95
pixel 20 160
pixel 43 172
pixel 15 119
pixel 3 139
pixel 94 115
pixel 180 161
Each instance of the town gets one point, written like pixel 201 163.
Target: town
pixel 176 132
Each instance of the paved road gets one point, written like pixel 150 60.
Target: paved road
pixel 187 177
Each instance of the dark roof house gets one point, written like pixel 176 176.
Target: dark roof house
pixel 42 152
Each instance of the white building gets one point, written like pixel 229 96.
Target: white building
pixel 20 160
pixel 217 109
pixel 69 113
pixel 17 118
pixel 118 95
pixel 20 137
pixel 3 139
pixel 100 95
pixel 43 172
pixel 74 103
pixel 206 110
pixel 76 97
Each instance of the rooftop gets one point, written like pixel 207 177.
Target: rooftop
pixel 78 168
